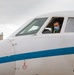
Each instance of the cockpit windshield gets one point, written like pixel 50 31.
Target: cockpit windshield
pixel 33 27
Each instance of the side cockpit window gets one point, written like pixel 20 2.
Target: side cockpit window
pixel 70 25
pixel 54 25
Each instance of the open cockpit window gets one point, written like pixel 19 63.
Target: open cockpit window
pixel 33 27
pixel 54 26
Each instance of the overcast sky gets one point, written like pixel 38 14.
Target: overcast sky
pixel 14 13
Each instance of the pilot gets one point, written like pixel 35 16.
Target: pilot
pixel 56 27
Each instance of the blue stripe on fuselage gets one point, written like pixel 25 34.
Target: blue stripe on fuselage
pixel 38 54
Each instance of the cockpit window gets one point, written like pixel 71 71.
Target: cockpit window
pixel 70 25
pixel 54 25
pixel 32 27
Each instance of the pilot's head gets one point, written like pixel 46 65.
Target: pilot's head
pixel 56 26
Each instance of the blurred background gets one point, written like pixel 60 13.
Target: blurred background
pixel 14 13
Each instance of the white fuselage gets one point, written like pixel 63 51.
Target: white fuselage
pixel 38 54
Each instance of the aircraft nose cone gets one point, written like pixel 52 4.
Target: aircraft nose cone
pixel 6 67
pixel 6 48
